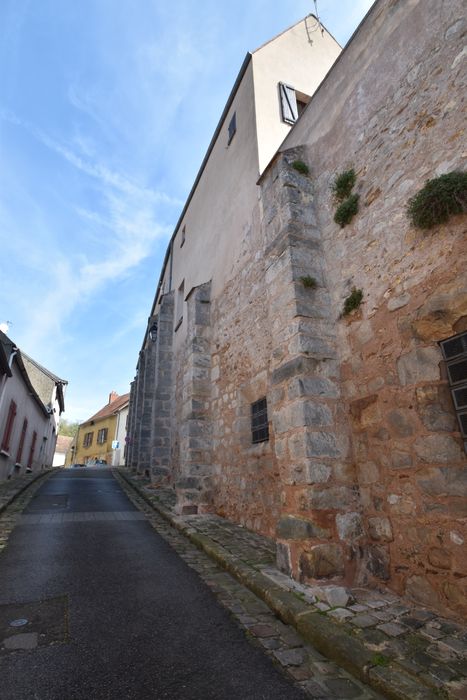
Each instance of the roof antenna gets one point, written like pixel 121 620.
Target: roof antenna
pixel 317 17
pixel 313 23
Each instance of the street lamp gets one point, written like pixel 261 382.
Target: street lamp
pixel 153 332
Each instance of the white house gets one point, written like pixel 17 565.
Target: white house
pixel 31 401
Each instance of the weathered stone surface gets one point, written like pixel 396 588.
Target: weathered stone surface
pixel 322 561
pixel 400 423
pixel 420 365
pixel 438 448
pixel 283 558
pixel 440 558
pixel 421 591
pixel 291 527
pixel 349 526
pixel 378 561
pixel 443 481
pixel 380 529
pixel 336 596
pixel 331 498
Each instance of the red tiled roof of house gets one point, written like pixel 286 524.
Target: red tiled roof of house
pixel 63 443
pixel 109 408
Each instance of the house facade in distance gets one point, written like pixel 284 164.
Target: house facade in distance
pixel 308 372
pixel 96 435
pixel 31 401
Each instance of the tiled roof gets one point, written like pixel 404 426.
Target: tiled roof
pixel 63 443
pixel 109 409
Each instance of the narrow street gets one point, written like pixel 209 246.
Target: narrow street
pixel 112 611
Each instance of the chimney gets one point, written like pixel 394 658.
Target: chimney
pixel 113 396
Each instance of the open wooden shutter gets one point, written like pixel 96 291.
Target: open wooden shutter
pixel 288 103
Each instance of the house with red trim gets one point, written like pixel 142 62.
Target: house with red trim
pixel 31 402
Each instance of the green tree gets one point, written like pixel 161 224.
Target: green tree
pixel 68 428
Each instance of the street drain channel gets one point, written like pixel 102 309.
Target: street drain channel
pixel 26 626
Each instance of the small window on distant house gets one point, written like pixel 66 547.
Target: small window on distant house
pixel 232 127
pixel 8 427
pixel 292 103
pixel 455 354
pixel 259 421
pixel 183 235
pixel 102 436
pixel 87 442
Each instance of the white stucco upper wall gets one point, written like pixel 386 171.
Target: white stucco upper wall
pixel 300 57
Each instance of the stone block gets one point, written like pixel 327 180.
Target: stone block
pixel 336 596
pixel 443 481
pixel 322 561
pixel 400 422
pixel 317 473
pixel 379 528
pixel 419 365
pixel 312 386
pixel 298 366
pixel 321 444
pixel 331 498
pixel 283 558
pixel 439 448
pixel 401 460
pixel 419 588
pixel 440 558
pixel 291 527
pixel 349 526
pixel 378 562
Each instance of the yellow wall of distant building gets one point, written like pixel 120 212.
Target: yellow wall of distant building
pixel 95 450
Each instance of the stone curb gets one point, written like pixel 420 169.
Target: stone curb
pixel 328 637
pixel 23 487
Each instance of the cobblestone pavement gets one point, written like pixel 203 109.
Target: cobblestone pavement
pixel 399 648
pixel 319 677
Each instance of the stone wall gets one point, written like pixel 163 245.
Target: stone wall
pixel 396 131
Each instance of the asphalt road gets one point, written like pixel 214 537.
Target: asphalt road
pixel 112 611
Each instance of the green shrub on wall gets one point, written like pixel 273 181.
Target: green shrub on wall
pixel 439 199
pixel 353 301
pixel 308 281
pixel 343 184
pixel 347 210
pixel 300 167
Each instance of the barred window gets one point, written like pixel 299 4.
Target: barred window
pixel 454 351
pixel 259 421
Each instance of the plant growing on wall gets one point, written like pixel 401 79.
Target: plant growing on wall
pixel 301 167
pixel 343 184
pixel 347 210
pixel 439 199
pixel 353 301
pixel 308 281
pixel 348 202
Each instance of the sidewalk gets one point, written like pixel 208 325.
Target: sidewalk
pixel 402 651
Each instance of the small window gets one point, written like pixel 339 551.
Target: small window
pixel 9 427
pixel 102 436
pixel 455 354
pixel 292 103
pixel 87 442
pixel 183 234
pixel 179 304
pixel 259 421
pixel 232 127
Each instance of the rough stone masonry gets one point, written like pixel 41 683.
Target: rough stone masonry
pixel 363 479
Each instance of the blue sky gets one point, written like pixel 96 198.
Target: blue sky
pixel 106 110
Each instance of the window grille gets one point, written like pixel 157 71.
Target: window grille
pixel 455 354
pixel 259 421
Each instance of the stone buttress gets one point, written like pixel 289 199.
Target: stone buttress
pixel 319 533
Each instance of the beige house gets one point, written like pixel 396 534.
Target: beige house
pixel 306 375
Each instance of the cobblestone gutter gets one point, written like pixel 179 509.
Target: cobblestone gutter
pixel 401 651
